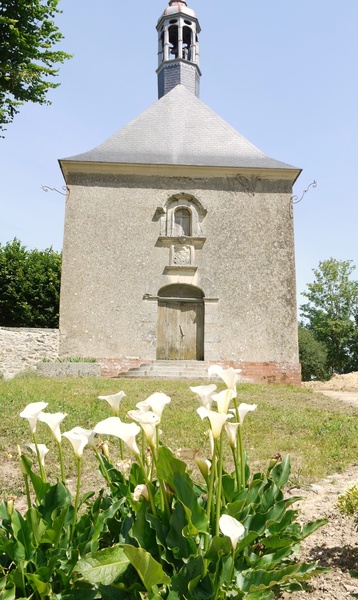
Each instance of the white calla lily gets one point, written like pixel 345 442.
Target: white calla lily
pixel 31 413
pixel 232 528
pixel 148 422
pixel 124 431
pixel 217 420
pixel 156 402
pixel 42 449
pixel 223 400
pixel 78 441
pixel 205 393
pixel 231 430
pixel 204 466
pixel 53 420
pixel 88 433
pixel 244 409
pixel 114 401
pixel 229 376
pixel 139 491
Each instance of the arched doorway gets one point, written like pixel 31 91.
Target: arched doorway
pixel 180 332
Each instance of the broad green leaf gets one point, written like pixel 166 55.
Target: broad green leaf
pixel 281 472
pixel 38 585
pixel 148 569
pixel 229 484
pixel 36 524
pixel 53 534
pixel 136 476
pixel 9 594
pixel 181 546
pixel 168 466
pixel 22 533
pixel 311 527
pixel 104 566
pixel 143 532
pixel 254 580
pixel 201 588
pixel 40 487
pixel 219 546
pixel 264 595
pixel 246 541
pixel 196 515
pixel 192 570
pixel 57 497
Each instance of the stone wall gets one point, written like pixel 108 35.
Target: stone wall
pixel 22 348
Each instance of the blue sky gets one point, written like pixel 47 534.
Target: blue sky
pixel 283 73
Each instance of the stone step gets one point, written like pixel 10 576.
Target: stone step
pixel 169 369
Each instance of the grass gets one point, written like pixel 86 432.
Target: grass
pixel 320 435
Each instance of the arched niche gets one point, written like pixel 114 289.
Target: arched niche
pixel 182 207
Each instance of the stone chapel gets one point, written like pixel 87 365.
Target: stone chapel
pixel 178 241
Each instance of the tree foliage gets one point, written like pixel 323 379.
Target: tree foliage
pixel 331 313
pixel 313 355
pixel 29 286
pixel 28 35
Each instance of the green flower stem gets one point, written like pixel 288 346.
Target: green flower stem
pixel 42 470
pixel 242 458
pixel 121 449
pixel 236 463
pixel 209 502
pixel 163 493
pixel 27 488
pixel 219 485
pixel 104 468
pixel 144 446
pixel 62 466
pixel 149 486
pixel 77 499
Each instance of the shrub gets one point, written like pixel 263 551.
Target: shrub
pixel 29 286
pixel 313 355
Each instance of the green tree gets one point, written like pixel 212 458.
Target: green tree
pixel 331 313
pixel 29 286
pixel 28 34
pixel 313 355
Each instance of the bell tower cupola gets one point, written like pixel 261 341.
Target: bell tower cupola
pixel 178 48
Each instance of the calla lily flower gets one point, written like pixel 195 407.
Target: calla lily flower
pixel 156 402
pixel 244 409
pixel 31 413
pixel 204 466
pixel 43 450
pixel 232 528
pixel 124 431
pixel 223 400
pixel 139 491
pixel 229 376
pixel 78 441
pixel 53 420
pixel 148 422
pixel 217 420
pixel 231 430
pixel 88 433
pixel 114 401
pixel 205 393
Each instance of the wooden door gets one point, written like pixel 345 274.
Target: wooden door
pixel 180 330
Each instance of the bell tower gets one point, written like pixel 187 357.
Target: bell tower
pixel 178 49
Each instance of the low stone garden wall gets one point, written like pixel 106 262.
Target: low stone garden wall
pixel 22 348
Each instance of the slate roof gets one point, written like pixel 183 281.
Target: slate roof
pixel 179 129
